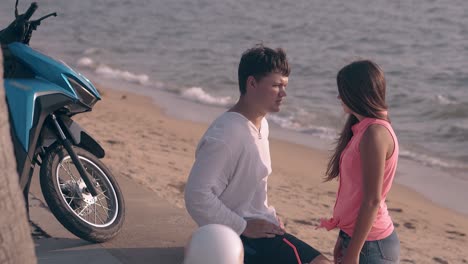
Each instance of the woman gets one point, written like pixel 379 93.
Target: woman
pixel 365 161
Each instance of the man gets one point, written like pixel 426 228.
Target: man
pixel 228 181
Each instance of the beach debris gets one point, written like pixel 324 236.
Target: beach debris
pixel 180 186
pixel 303 222
pixel 409 225
pixel 397 210
pixel 114 142
pixel 456 233
pixel 439 260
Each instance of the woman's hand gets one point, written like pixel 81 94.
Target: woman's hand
pixel 337 252
pixel 348 259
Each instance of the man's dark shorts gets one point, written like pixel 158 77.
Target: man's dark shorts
pixel 285 249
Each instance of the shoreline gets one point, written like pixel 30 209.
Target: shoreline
pixel 148 145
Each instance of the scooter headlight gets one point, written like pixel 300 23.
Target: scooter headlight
pixel 86 97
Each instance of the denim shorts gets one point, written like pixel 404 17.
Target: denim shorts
pixel 384 251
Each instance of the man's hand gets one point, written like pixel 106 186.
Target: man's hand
pixel 258 228
pixel 281 224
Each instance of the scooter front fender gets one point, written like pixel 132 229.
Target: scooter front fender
pixel 81 138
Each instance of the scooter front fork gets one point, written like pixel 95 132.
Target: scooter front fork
pixel 79 166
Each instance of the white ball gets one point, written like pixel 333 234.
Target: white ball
pixel 214 244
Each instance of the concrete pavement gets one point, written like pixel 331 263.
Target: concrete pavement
pixel 154 231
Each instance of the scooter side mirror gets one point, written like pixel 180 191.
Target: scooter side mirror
pixel 16 9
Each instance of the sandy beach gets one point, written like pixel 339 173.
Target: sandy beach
pixel 157 151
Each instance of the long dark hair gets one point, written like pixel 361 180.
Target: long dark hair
pixel 361 86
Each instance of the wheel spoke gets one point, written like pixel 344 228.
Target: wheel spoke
pixel 106 209
pixel 103 207
pixel 95 212
pixel 76 210
pixel 100 219
pixel 69 173
pixel 87 205
pixel 72 198
pixel 102 193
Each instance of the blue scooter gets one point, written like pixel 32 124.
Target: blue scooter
pixel 42 96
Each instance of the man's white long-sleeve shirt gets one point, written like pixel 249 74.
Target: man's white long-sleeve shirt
pixel 228 181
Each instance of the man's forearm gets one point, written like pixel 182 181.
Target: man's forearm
pixel 208 209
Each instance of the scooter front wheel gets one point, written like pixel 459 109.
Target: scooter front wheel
pixel 95 219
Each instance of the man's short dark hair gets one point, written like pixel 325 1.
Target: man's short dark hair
pixel 260 61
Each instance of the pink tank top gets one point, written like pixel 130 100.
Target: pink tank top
pixel 349 196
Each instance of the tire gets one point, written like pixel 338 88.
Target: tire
pixel 71 203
